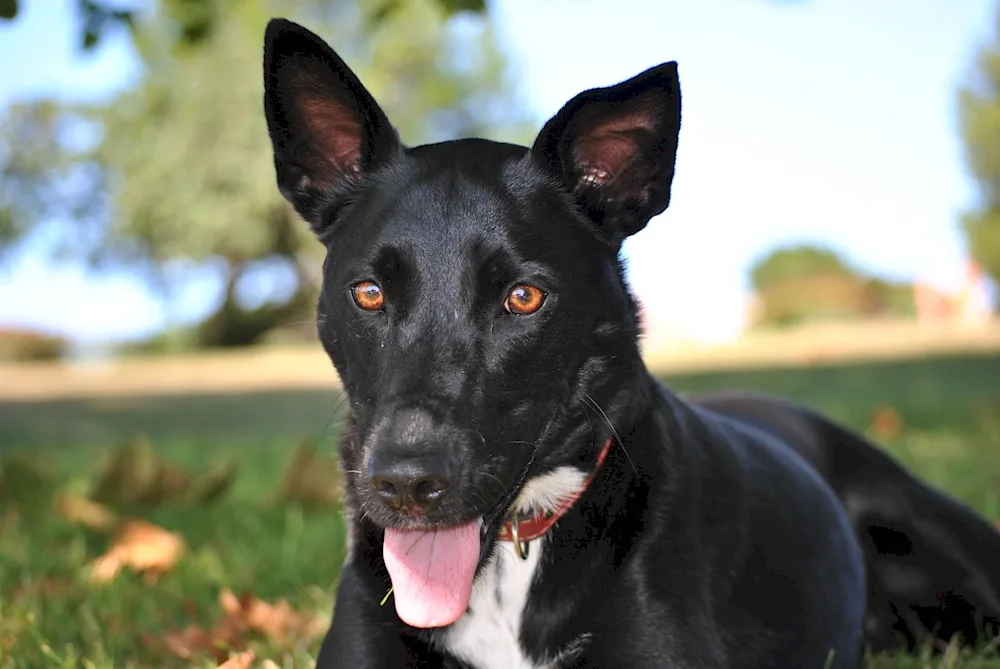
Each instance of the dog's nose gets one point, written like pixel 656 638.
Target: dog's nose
pixel 414 484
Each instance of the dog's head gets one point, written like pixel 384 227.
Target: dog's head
pixel 473 301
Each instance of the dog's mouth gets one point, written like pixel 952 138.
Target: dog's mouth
pixel 432 572
pixel 433 568
pixel 433 560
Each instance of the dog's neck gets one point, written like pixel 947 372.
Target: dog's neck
pixel 617 472
pixel 520 530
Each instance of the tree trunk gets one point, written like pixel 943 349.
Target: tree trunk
pixel 225 328
pixel 232 325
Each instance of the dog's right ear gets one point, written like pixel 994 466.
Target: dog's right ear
pixel 326 129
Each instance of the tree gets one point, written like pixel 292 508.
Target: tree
pixel 196 18
pixel 185 158
pixel 795 263
pixel 979 104
pixel 37 182
pixel 801 283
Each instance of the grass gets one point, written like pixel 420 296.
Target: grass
pixel 51 616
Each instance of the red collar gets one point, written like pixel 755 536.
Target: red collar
pixel 523 531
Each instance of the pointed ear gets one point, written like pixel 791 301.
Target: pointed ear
pixel 614 149
pixel 326 129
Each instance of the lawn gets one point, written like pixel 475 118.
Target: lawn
pixel 255 543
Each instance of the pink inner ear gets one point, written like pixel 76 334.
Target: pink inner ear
pixel 608 149
pixel 335 131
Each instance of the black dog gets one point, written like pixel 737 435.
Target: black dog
pixel 531 494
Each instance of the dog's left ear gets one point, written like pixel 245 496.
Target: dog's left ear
pixel 614 149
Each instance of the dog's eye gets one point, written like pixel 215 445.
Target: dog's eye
pixel 524 299
pixel 368 295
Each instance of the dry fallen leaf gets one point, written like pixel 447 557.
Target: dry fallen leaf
pixel 193 641
pixel 279 622
pixel 86 512
pixel 886 423
pixel 239 661
pixel 142 546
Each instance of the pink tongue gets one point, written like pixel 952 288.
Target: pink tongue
pixel 432 572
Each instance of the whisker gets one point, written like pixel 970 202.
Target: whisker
pixel 477 433
pixel 491 476
pixel 614 432
pixel 326 428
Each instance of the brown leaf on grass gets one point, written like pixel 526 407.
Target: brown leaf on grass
pixel 245 614
pixel 136 475
pixel 209 486
pixel 279 622
pixel 216 643
pixel 885 423
pixel 130 475
pixel 239 661
pixel 143 547
pixel 86 512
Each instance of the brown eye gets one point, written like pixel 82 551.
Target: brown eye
pixel 524 299
pixel 368 295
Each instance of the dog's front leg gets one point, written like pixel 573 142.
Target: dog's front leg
pixel 367 635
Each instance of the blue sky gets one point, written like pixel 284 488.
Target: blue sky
pixel 831 121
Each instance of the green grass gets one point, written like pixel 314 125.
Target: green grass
pixel 50 616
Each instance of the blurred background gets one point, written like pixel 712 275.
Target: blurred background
pixel 838 161
pixel 834 236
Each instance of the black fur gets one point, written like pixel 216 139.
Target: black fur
pixel 933 565
pixel 704 540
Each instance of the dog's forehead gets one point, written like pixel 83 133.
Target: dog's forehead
pixel 464 194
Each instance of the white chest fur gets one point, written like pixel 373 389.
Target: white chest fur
pixel 486 637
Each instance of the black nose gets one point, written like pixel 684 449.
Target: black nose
pixel 413 483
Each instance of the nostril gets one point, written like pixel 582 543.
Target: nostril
pixel 387 490
pixel 415 483
pixel 428 491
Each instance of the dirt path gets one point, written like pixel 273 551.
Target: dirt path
pixel 307 367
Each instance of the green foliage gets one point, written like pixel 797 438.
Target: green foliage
pixel 187 152
pixel 800 283
pixel 189 147
pixel 195 19
pixel 793 263
pixel 8 9
pixel 39 180
pixel 894 298
pixel 979 104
